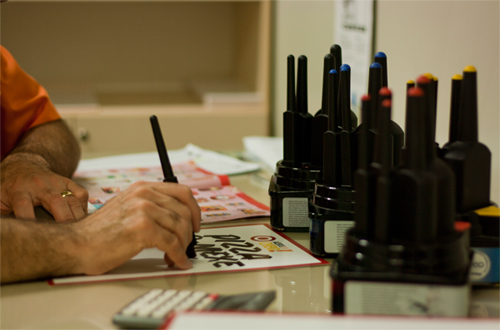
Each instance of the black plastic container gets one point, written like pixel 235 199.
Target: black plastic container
pixel 440 264
pixel 291 190
pixel 331 213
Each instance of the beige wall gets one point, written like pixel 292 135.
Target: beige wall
pixel 440 37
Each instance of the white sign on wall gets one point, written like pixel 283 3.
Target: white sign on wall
pixel 354 26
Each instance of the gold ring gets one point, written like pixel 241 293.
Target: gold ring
pixel 66 193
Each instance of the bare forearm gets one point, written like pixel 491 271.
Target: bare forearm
pixel 32 250
pixel 51 143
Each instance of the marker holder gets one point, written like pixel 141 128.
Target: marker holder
pixel 331 214
pixel 291 189
pixel 394 279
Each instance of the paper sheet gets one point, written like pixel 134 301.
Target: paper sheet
pixel 264 149
pixel 234 320
pixel 220 249
pixel 217 199
pixel 210 161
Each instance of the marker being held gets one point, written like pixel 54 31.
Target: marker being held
pixel 167 170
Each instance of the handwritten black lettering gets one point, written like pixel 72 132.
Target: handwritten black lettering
pixel 250 256
pixel 237 250
pixel 228 245
pixel 226 238
pixel 218 264
pixel 214 257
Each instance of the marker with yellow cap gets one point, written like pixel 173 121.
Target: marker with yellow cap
pixel 471 163
pixel 470 159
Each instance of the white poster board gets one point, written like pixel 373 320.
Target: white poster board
pixel 220 249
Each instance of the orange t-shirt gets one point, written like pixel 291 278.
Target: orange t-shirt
pixel 24 103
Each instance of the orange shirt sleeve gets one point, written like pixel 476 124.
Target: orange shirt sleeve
pixel 24 103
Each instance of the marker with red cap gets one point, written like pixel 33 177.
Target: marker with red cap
pixel 398 240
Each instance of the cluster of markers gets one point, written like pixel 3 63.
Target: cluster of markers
pixel 379 201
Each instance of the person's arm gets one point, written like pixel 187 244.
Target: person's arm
pixel 37 171
pixel 147 214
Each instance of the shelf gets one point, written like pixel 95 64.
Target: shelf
pixel 115 62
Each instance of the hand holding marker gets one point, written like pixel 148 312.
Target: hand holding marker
pixel 168 173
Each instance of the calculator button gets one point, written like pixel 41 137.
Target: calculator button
pixel 150 306
pixel 204 302
pixel 141 301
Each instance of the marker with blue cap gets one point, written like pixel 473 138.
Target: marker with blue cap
pixel 331 210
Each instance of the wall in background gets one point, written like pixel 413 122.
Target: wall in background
pixel 439 37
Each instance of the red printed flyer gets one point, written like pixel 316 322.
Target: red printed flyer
pixel 218 200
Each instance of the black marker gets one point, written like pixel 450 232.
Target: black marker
pixel 363 199
pixel 305 122
pixel 331 142
pixel 445 181
pixel 424 83
pixel 409 84
pixel 470 159
pixel 291 119
pixel 320 120
pixel 336 51
pixel 380 168
pixel 413 186
pixel 456 85
pixel 431 97
pixel 168 173
pixel 346 134
pixel 381 59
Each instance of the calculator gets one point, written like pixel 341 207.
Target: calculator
pixel 150 310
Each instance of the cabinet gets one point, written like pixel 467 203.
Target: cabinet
pixel 202 67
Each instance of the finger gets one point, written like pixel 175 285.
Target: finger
pixel 159 228
pixel 168 261
pixel 169 213
pixel 81 195
pixel 180 227
pixel 58 206
pixel 22 206
pixel 184 195
pixel 75 206
pixel 174 253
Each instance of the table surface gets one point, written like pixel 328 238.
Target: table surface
pixel 37 305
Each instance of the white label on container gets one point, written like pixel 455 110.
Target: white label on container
pixel 480 267
pixel 335 234
pixel 406 299
pixel 295 212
